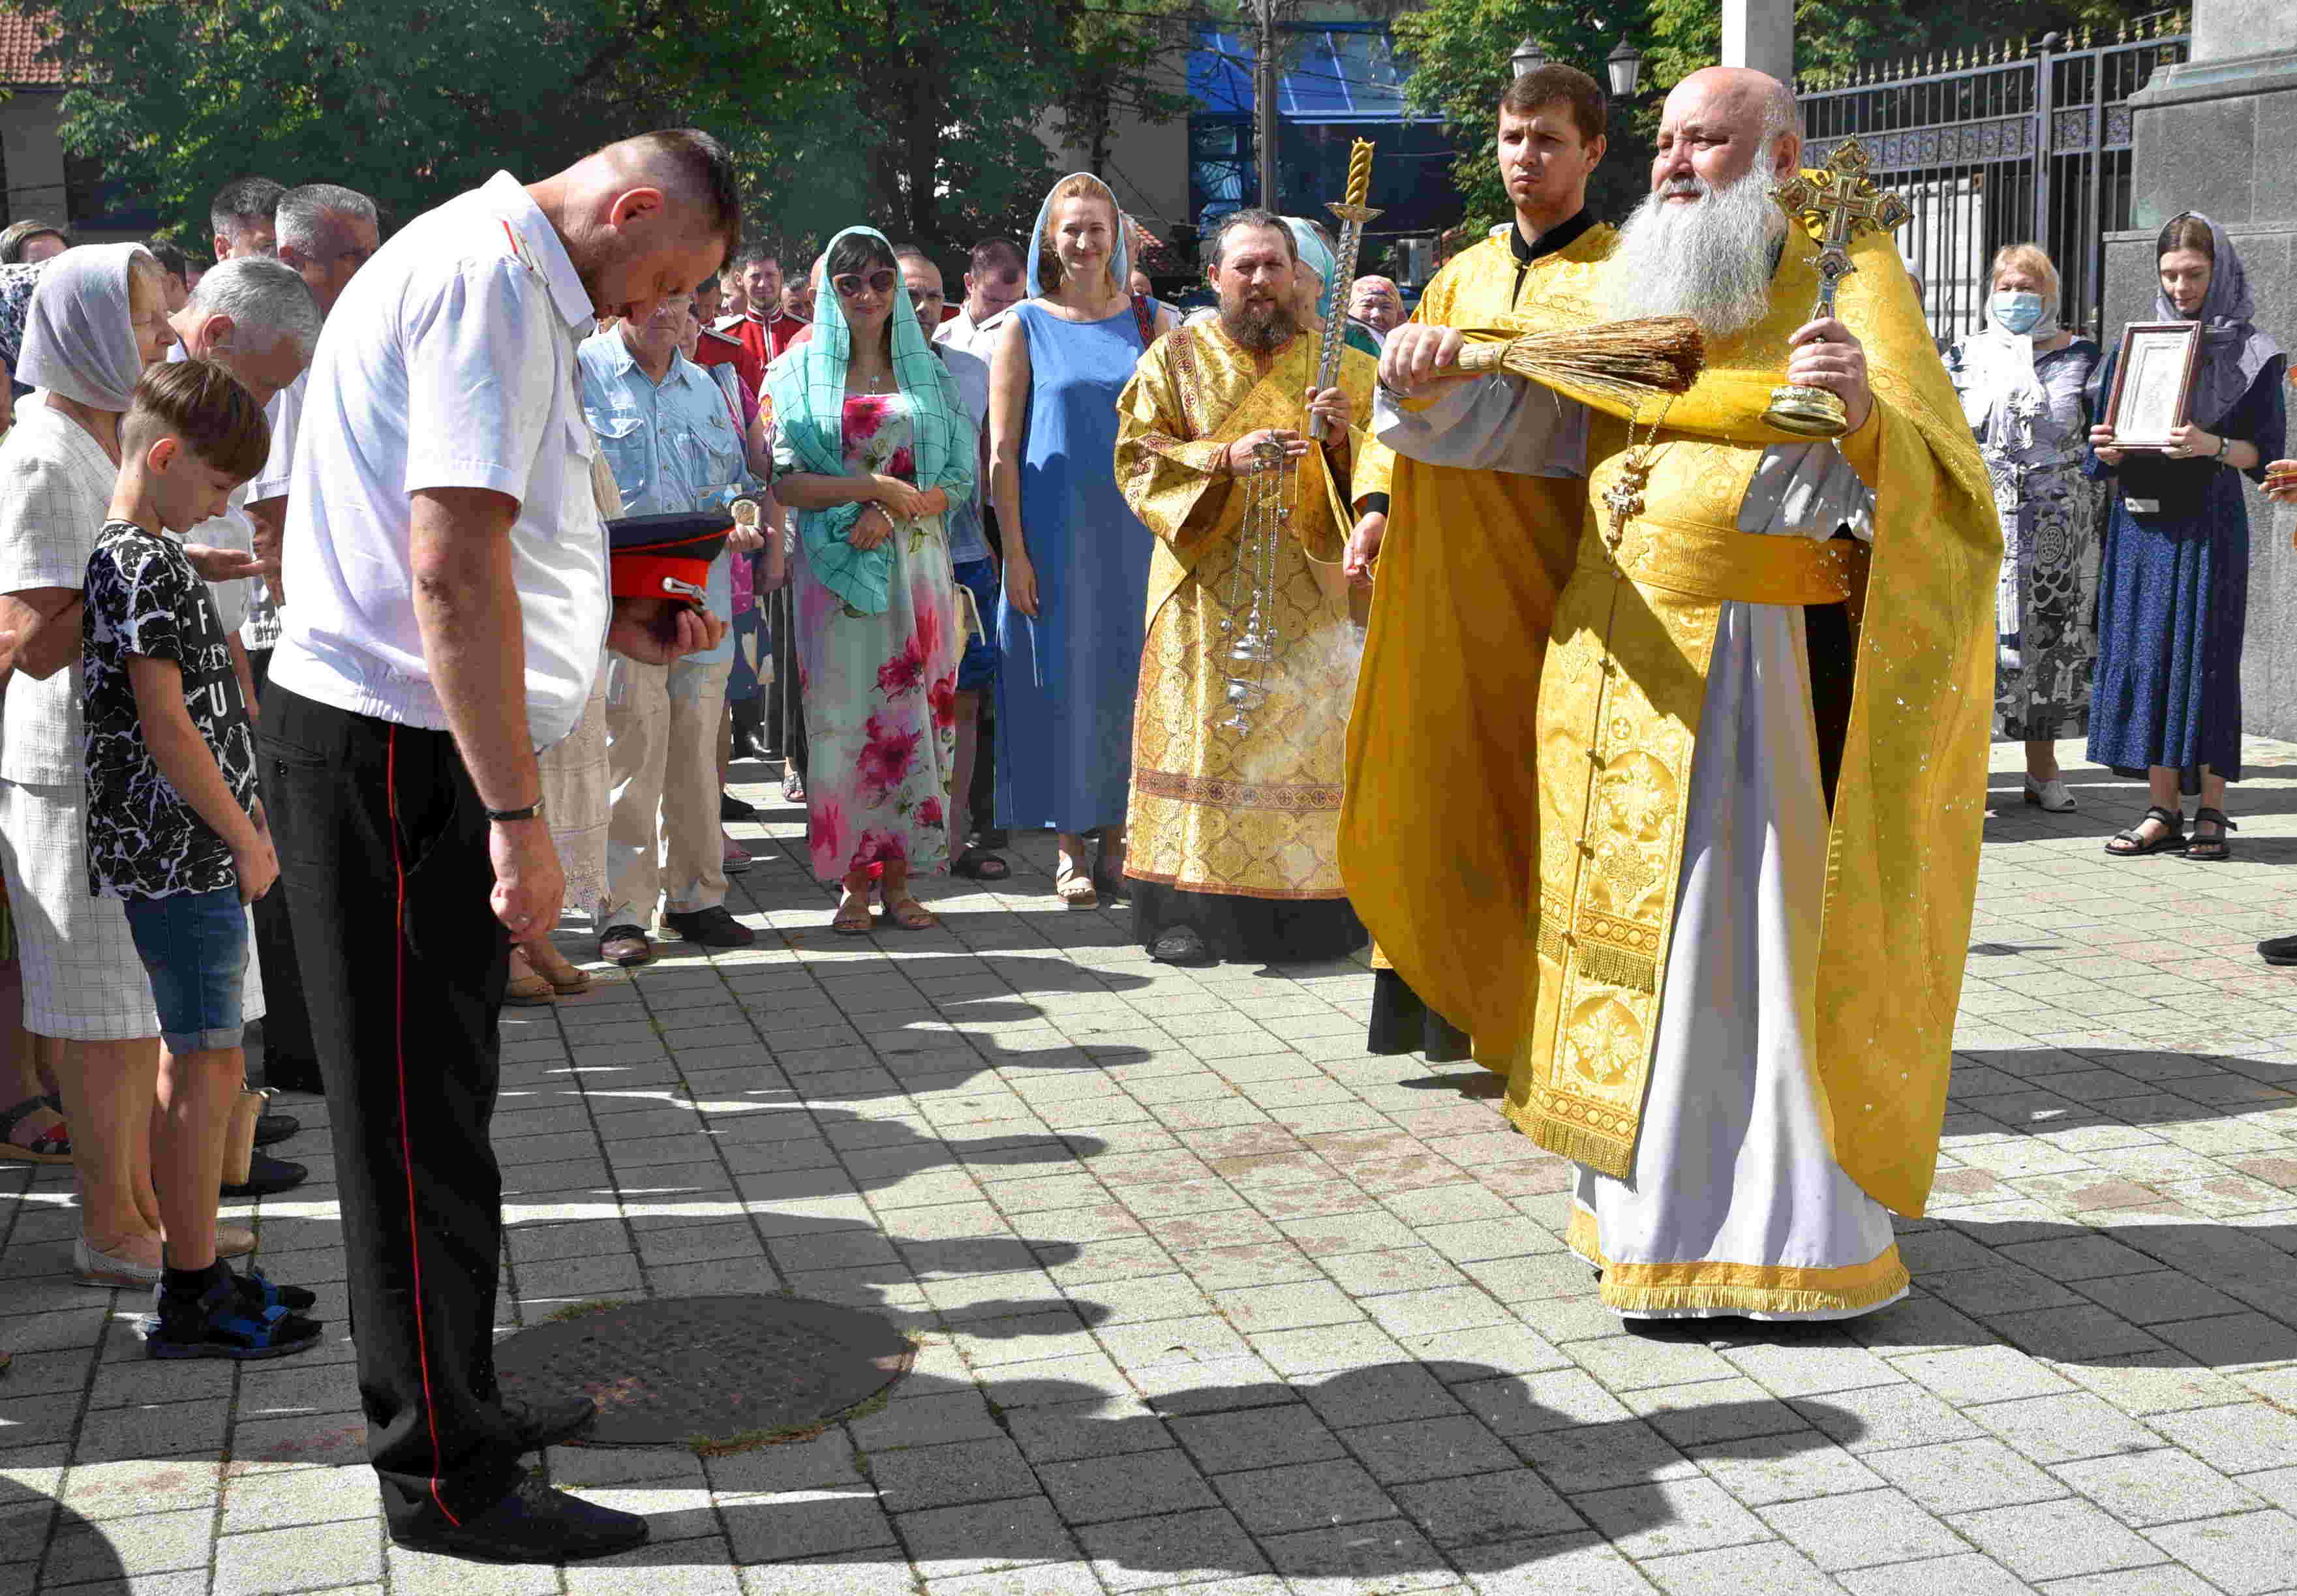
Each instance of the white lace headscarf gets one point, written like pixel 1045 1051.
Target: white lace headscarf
pixel 80 335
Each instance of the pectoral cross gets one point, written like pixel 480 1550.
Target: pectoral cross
pixel 1624 497
pixel 1840 202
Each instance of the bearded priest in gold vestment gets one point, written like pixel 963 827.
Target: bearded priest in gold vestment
pixel 1762 725
pixel 1232 850
pixel 1471 547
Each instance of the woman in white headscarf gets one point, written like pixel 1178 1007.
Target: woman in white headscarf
pixel 2023 381
pixel 97 320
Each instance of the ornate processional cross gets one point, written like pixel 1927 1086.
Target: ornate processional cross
pixel 1841 202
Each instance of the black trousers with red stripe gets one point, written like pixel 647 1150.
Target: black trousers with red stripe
pixel 382 855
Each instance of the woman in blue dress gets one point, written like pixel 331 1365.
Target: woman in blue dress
pixel 1070 622
pixel 2173 584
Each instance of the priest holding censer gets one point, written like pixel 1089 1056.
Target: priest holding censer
pixel 1234 445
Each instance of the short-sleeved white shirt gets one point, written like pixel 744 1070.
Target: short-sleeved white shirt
pixel 448 363
pixel 285 413
pixel 55 493
pixel 233 529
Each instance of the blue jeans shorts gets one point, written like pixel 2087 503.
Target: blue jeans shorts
pixel 195 948
pixel 978 670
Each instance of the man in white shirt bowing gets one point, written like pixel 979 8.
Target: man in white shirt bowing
pixel 449 570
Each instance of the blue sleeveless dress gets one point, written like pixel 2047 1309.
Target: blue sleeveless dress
pixel 1067 680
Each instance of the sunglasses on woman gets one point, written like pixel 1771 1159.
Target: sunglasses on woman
pixel 849 285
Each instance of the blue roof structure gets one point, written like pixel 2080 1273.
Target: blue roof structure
pixel 1331 73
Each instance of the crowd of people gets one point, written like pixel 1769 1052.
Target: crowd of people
pixel 1049 556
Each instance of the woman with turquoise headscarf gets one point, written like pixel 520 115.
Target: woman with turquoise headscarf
pixel 873 443
pixel 1313 265
pixel 1077 562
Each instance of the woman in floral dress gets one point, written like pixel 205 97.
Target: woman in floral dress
pixel 872 445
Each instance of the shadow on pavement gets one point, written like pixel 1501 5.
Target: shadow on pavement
pixel 1418 1472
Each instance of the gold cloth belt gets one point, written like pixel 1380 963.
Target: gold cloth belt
pixel 1722 564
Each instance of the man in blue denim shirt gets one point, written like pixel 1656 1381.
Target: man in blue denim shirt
pixel 665 429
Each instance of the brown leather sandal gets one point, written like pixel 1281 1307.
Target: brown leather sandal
pixel 910 915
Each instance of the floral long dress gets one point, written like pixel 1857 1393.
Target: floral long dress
pixel 880 691
pixel 2052 520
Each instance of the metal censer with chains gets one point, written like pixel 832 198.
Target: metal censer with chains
pixel 1271 490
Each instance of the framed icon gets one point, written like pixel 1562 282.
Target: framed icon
pixel 2153 382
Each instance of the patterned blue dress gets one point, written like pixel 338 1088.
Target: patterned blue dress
pixel 2173 598
pixel 1068 678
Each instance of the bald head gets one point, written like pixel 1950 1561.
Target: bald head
pixel 1720 124
pixel 645 218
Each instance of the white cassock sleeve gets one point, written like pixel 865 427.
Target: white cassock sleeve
pixel 1493 422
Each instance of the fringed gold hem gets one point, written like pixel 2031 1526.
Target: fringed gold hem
pixel 1736 1287
pixel 1604 1154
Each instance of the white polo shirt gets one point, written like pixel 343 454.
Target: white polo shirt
pixel 448 363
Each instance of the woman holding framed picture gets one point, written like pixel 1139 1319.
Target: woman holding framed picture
pixel 2173 582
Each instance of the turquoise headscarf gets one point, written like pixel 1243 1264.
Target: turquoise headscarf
pixel 1317 259
pixel 1120 260
pixel 808 394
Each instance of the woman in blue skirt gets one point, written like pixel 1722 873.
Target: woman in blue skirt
pixel 2173 584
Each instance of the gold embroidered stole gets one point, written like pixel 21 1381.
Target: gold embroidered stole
pixel 1618 721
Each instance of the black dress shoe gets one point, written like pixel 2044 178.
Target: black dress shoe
pixel 267 1177
pixel 1182 945
pixel 533 1524
pixel 730 808
pixel 550 1423
pixel 711 927
pixel 2279 950
pixel 275 1127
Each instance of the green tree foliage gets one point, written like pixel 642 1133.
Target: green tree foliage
pixel 1460 50
pixel 920 117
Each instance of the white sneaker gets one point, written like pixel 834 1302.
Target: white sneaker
pixel 2051 795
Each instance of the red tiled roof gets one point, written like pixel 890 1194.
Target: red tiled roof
pixel 21 38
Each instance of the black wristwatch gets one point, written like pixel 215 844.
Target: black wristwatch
pixel 532 811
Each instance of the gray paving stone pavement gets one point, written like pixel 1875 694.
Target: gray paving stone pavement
pixel 1209 1301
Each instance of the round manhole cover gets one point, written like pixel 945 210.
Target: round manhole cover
pixel 702 1370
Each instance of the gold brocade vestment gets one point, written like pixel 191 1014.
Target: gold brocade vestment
pixel 1212 811
pixel 1618 722
pixel 1442 809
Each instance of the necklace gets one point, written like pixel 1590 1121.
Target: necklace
pixel 1624 497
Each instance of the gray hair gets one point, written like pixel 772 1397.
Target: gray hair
pixel 266 300
pixel 304 213
pixel 1780 116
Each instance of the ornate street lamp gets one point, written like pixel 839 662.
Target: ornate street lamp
pixel 1527 57
pixel 1624 65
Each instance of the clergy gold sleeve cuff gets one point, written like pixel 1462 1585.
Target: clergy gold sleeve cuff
pixel 1864 448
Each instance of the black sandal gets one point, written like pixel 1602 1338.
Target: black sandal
pixel 233 1318
pixel 976 864
pixel 2174 837
pixel 2210 850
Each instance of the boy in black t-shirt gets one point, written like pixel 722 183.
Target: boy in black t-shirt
pixel 174 827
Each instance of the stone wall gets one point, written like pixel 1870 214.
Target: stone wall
pixel 2218 134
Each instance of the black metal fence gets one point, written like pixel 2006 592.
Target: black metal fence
pixel 1999 145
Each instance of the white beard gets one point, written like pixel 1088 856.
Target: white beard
pixel 1709 260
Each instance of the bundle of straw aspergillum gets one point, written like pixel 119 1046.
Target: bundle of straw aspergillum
pixel 1619 361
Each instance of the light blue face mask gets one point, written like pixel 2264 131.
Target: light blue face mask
pixel 2016 311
